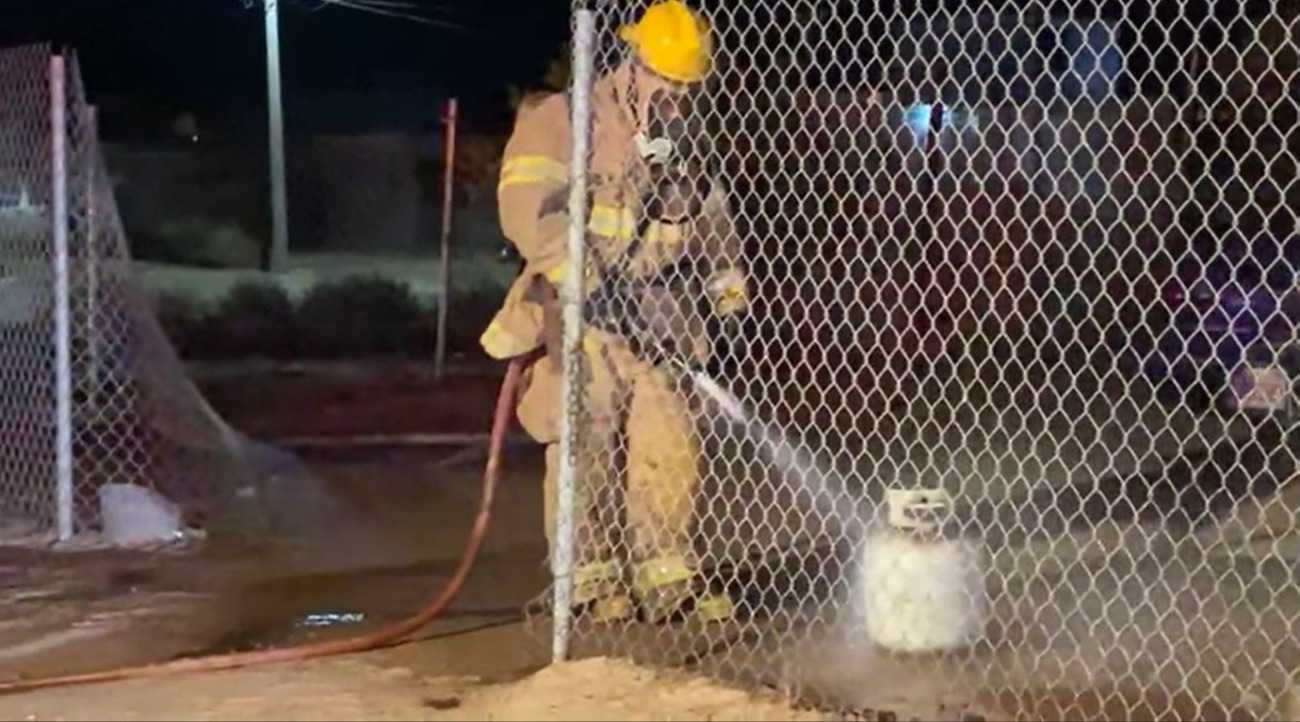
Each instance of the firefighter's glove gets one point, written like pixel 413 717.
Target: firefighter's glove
pixel 727 293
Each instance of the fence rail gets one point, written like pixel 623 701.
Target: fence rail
pixel 1008 422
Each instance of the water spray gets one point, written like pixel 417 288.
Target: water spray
pixel 922 581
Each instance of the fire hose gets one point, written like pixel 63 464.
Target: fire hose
pixel 383 637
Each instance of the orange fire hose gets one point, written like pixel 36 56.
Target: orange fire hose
pixel 364 643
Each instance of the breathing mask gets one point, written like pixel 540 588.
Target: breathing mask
pixel 664 130
pixel 677 185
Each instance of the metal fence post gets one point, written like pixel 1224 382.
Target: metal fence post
pixel 279 257
pixel 62 325
pixel 580 109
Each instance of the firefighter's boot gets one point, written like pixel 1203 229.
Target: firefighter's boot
pixel 665 590
pixel 599 593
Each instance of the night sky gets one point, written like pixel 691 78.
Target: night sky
pixel 209 55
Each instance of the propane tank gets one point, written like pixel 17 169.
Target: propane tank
pixel 923 585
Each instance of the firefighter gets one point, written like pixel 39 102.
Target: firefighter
pixel 632 405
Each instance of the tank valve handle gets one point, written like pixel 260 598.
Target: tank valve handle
pixel 920 511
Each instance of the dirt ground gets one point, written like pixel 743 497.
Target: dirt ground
pixel 375 688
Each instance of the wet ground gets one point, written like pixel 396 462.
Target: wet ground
pixel 408 511
pixel 396 517
pixel 397 520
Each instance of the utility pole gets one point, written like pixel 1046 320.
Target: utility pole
pixel 275 111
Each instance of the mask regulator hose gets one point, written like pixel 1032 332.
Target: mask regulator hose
pixel 384 637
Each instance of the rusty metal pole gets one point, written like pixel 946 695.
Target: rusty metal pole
pixel 444 259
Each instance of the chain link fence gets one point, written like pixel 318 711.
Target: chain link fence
pixel 93 392
pixel 1007 422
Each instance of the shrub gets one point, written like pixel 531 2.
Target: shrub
pixel 361 316
pixel 255 318
pixel 182 320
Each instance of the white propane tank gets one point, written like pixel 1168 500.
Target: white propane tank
pixel 924 592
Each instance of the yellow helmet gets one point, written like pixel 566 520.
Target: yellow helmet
pixel 671 40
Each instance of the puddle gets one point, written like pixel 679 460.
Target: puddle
pixel 292 610
pixel 288 612
pixel 331 619
pixel 288 631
